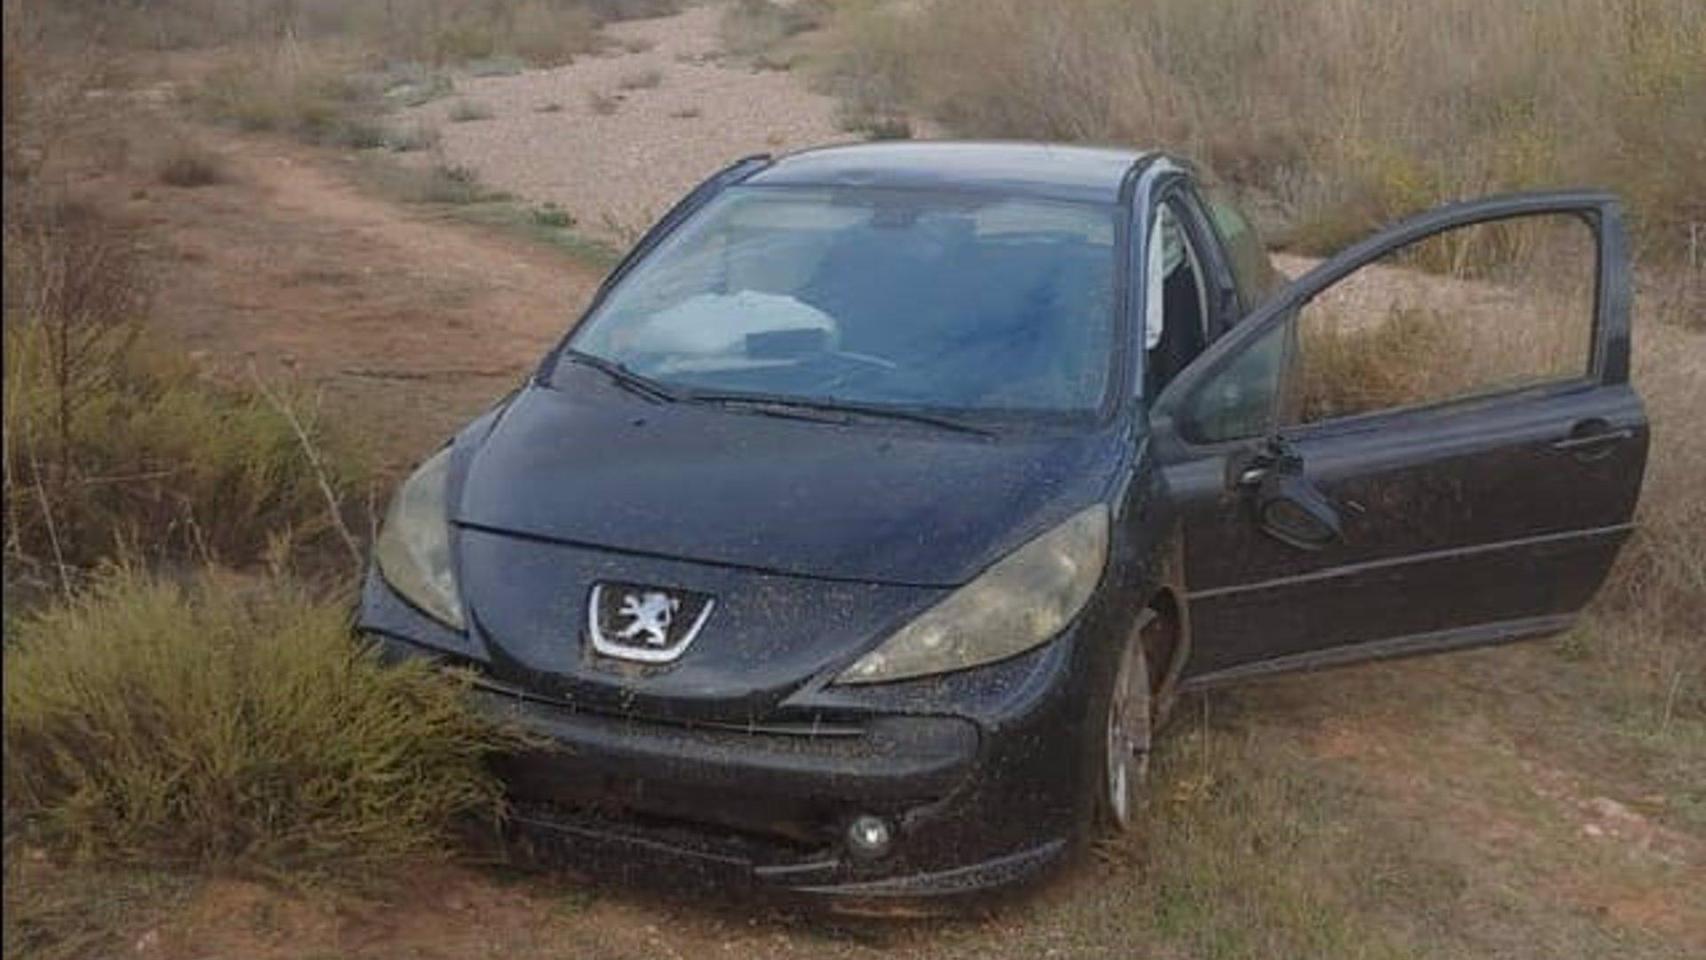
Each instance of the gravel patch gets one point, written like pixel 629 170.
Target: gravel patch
pixel 616 139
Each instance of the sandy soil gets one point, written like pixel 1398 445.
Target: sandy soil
pixel 618 168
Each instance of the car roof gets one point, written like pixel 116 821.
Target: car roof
pixel 1057 171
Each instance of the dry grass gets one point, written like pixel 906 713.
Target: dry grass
pixel 641 80
pixel 290 88
pixel 544 32
pixel 191 166
pixel 754 28
pixel 231 723
pixel 113 442
pixel 1471 311
pixel 466 111
pixel 1348 114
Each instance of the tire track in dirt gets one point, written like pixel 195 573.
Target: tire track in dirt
pixel 407 322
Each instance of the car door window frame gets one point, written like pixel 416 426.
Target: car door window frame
pixel 1170 183
pixel 1608 363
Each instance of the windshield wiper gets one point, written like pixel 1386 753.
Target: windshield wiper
pixel 775 403
pixel 624 377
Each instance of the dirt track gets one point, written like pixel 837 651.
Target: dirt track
pixel 409 322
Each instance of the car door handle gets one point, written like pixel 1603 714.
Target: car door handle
pixel 1580 442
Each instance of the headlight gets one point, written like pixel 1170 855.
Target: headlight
pixel 1022 601
pixel 414 545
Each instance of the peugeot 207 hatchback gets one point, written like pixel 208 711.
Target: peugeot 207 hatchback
pixel 854 543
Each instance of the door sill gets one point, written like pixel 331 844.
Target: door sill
pixel 1442 641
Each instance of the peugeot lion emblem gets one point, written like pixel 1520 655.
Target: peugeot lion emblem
pixel 643 623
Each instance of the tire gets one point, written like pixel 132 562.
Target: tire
pixel 1127 723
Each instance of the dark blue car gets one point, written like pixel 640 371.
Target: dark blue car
pixel 856 540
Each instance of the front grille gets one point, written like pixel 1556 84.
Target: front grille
pixel 811 725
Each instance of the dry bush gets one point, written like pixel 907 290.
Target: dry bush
pixel 1474 310
pixel 602 104
pixel 232 723
pixel 437 31
pixel 640 80
pixel 1348 368
pixel 753 27
pixel 1351 114
pixel 1662 576
pixel 188 165
pixel 468 111
pixel 113 440
pixel 286 88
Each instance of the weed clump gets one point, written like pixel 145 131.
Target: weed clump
pixel 192 167
pixel 231 722
pixel 468 111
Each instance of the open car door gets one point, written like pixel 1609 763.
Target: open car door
pixel 1428 442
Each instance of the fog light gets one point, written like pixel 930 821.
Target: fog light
pixel 869 837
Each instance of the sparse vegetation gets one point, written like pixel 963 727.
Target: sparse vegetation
pixel 1347 116
pixel 551 215
pixel 602 104
pixel 115 443
pixel 292 92
pixel 231 722
pixel 467 111
pixel 640 80
pixel 413 137
pixel 191 166
pixel 754 28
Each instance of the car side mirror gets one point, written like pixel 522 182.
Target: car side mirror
pixel 1293 511
pixel 1286 505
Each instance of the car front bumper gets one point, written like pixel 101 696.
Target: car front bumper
pixel 979 776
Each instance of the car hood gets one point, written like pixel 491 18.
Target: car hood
pixel 586 463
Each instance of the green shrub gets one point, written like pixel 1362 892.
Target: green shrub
pixel 232 722
pixel 116 442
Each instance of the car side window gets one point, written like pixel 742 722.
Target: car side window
pixel 1472 312
pixel 1238 402
pixel 1252 272
pixel 1480 310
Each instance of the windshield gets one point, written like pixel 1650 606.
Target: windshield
pixel 899 298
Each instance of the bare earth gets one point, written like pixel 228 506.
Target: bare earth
pixel 1467 766
pixel 620 170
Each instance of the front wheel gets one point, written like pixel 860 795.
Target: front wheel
pixel 1127 726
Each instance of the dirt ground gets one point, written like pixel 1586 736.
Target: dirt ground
pixel 408 322
pixel 1496 827
pixel 661 111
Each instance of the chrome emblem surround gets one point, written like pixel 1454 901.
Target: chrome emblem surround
pixel 645 626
